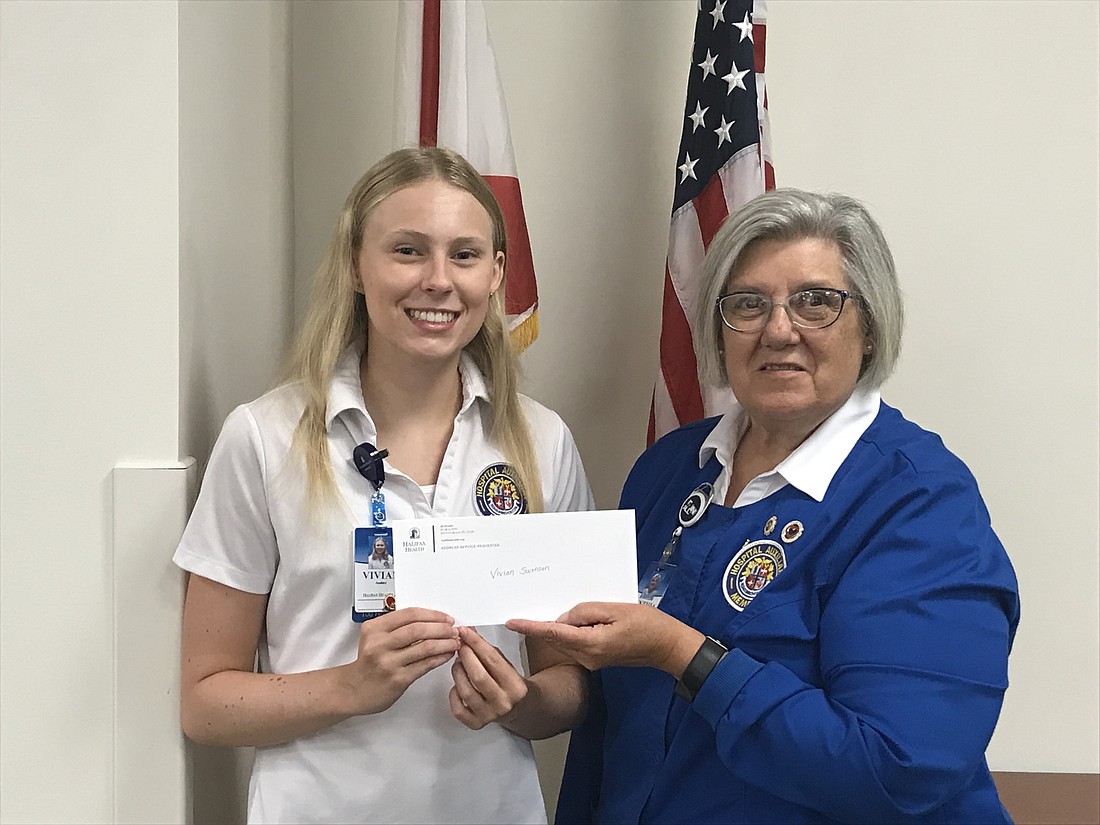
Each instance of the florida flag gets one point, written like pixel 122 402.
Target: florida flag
pixel 449 94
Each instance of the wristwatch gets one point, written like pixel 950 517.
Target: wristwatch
pixel 710 653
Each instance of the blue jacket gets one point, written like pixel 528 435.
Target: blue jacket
pixel 863 681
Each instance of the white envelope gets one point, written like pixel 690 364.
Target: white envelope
pixel 486 570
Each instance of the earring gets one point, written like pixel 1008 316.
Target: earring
pixel 868 347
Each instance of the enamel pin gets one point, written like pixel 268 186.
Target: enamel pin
pixel 792 531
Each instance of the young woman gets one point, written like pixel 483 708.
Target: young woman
pixel 404 347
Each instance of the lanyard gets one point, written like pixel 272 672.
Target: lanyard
pixel 373 593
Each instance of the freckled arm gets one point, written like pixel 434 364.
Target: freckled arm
pixel 223 702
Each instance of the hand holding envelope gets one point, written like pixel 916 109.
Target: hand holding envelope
pixel 486 686
pixel 394 651
pixel 485 571
pixel 602 634
pixel 569 579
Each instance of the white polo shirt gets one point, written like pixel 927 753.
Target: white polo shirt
pixel 414 762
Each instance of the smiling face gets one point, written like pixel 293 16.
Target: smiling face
pixel 790 379
pixel 427 269
pixel 380 548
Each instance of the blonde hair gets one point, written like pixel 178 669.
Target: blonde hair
pixel 337 316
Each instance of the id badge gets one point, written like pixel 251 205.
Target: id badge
pixel 373 569
pixel 653 584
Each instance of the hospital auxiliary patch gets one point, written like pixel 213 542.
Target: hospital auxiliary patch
pixel 751 570
pixel 498 492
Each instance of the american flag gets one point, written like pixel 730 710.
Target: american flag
pixel 724 161
pixel 448 93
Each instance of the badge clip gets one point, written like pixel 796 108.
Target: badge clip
pixel 690 512
pixel 696 504
pixel 368 461
pixel 673 543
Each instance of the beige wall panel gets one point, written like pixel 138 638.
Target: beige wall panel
pixel 89 369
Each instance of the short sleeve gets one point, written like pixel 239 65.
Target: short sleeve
pixel 229 537
pixel 565 484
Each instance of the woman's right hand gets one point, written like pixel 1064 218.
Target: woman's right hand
pixel 602 634
pixel 394 651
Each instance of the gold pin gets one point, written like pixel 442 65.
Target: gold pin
pixel 769 525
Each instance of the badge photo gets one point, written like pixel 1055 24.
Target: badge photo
pixel 751 570
pixel 498 491
pixel 372 590
pixel 654 583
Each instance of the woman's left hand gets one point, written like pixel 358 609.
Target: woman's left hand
pixel 487 688
pixel 600 634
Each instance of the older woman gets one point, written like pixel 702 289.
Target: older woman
pixel 834 637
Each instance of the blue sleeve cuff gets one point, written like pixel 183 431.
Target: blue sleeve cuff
pixel 723 684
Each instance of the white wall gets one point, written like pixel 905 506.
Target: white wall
pixel 236 250
pixel 145 205
pixel 236 224
pixel 89 334
pixel 970 129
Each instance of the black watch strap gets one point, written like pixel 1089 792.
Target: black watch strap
pixel 710 653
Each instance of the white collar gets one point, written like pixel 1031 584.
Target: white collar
pixel 346 390
pixel 811 466
pixel 473 382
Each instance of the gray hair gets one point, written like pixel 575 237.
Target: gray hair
pixel 791 215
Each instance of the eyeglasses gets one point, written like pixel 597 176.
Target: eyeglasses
pixel 809 309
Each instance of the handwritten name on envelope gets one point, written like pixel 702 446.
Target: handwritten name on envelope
pixel 484 570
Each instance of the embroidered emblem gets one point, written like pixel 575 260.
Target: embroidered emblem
pixel 769 525
pixel 792 531
pixel 751 570
pixel 498 492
